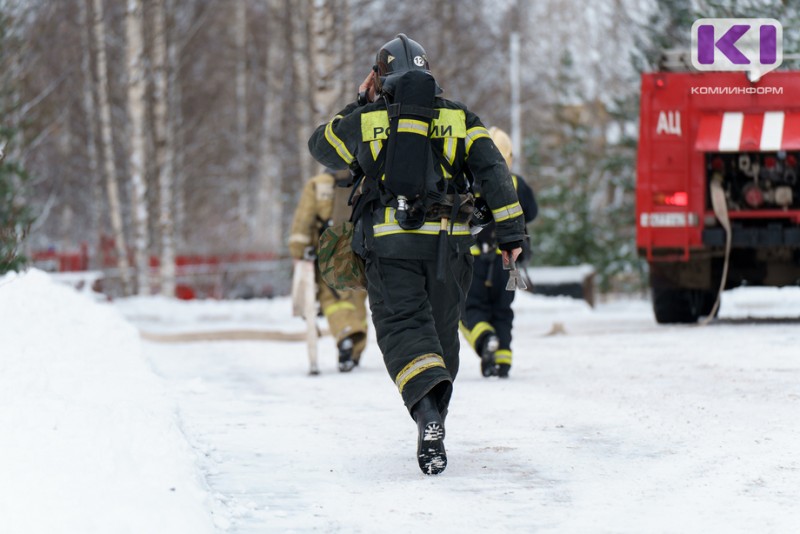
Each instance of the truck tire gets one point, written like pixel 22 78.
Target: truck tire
pixel 672 305
pixel 677 305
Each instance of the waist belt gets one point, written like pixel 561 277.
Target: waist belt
pixel 390 227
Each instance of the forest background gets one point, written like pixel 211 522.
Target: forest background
pixel 159 128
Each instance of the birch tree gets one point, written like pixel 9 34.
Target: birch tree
pixel 270 202
pixel 136 149
pixel 324 60
pixel 176 119
pixel 344 21
pixel 90 111
pixel 240 167
pixel 165 152
pixel 300 15
pixel 107 142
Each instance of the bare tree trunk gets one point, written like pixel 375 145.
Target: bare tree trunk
pixel 165 152
pixel 176 119
pixel 91 113
pixel 345 60
pixel 136 152
pixel 112 190
pixel 331 58
pixel 270 202
pixel 16 116
pixel 323 60
pixel 240 166
pixel 303 104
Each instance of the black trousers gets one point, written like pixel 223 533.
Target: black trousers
pixel 488 307
pixel 416 322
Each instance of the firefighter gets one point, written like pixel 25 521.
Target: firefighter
pixel 322 203
pixel 418 263
pixel 487 318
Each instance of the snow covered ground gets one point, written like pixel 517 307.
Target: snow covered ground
pixel 617 425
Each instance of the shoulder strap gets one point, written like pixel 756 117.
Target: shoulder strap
pixel 456 174
pixel 396 109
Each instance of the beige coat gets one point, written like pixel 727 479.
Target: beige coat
pixel 321 202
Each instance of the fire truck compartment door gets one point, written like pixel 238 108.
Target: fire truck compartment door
pixel 735 131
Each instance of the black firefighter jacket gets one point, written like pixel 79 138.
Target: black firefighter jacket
pixel 357 134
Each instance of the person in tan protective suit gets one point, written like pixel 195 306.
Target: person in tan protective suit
pixel 322 204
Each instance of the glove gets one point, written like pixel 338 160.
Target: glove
pixel 309 254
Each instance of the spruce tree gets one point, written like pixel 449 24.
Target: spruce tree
pixel 586 193
pixel 15 215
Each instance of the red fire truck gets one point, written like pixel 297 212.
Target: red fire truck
pixel 718 186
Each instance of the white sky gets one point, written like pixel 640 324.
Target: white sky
pixel 620 425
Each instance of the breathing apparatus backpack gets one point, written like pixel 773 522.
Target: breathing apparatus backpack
pixel 410 183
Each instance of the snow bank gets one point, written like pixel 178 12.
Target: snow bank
pixel 575 274
pixel 89 440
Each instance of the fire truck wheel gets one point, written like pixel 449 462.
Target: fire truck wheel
pixel 672 305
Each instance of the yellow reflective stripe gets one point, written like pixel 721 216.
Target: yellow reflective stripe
pixel 477 331
pixel 502 356
pixel 374 126
pixel 337 307
pixel 337 144
pixel 475 251
pixel 427 229
pixel 514 181
pixel 450 149
pixel 475 133
pixel 412 126
pixel 390 226
pixel 303 239
pixel 375 148
pixel 507 212
pixel 449 123
pixel 417 366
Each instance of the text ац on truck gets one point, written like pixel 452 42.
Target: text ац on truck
pixel 718 186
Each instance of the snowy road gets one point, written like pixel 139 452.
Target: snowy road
pixel 619 425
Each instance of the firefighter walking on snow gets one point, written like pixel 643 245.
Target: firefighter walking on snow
pixel 322 204
pixel 487 317
pixel 416 242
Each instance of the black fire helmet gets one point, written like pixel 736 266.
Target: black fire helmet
pixel 400 55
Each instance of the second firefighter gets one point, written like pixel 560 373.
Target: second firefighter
pixel 487 317
pixel 322 204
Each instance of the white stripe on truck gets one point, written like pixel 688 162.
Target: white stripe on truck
pixel 772 131
pixel 731 132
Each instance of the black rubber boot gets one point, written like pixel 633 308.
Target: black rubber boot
pixel 503 369
pixel 431 454
pixel 488 365
pixel 346 362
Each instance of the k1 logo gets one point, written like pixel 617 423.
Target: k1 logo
pixel 752 45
